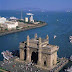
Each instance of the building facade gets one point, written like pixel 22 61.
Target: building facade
pixel 9 25
pixel 13 18
pixel 12 25
pixel 39 51
pixel 26 19
pixel 31 18
pixel 2 20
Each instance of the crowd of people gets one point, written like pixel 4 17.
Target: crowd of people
pixel 17 67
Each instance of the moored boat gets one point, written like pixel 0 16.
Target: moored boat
pixel 70 37
pixel 69 69
pixel 71 58
pixel 7 55
pixel 55 36
pixel 70 41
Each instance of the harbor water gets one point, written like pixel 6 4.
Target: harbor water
pixel 58 23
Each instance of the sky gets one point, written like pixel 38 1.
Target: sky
pixel 51 5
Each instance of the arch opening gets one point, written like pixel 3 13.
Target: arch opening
pixel 34 57
pixel 53 62
pixel 45 63
pixel 25 51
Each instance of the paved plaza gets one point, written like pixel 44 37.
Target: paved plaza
pixel 13 66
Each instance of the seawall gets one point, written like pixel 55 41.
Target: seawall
pixel 14 31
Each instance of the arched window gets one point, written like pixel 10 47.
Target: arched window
pixel 25 51
pixel 45 63
pixel 53 62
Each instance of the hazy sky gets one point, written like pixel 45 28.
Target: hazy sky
pixel 43 4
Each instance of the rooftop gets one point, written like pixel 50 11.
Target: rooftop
pixel 33 40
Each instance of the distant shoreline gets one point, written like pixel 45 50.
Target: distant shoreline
pixel 14 31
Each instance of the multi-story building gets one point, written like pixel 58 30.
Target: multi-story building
pixel 26 19
pixel 31 18
pixel 9 25
pixel 2 20
pixel 13 18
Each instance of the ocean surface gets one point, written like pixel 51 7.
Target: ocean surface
pixel 58 23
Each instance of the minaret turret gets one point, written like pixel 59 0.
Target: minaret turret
pixel 40 53
pixel 28 59
pixel 47 37
pixel 28 40
pixel 36 36
pixel 39 40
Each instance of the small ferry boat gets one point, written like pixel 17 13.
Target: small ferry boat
pixel 70 41
pixel 57 20
pixel 55 36
pixel 69 69
pixel 7 55
pixel 71 58
pixel 70 37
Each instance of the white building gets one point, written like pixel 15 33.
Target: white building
pixel 26 19
pixel 36 22
pixel 9 25
pixel 2 20
pixel 13 18
pixel 31 19
pixel 12 25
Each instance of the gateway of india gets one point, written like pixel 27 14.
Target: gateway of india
pixel 39 51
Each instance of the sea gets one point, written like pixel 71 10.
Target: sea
pixel 58 23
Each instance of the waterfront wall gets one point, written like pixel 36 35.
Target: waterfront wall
pixel 61 66
pixel 14 31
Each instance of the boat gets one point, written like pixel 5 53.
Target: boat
pixel 55 36
pixel 70 37
pixel 57 20
pixel 71 58
pixel 69 69
pixel 70 41
pixel 7 55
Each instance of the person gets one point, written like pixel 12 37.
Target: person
pixel 31 69
pixel 26 67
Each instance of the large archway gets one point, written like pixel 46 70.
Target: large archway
pixel 44 60
pixel 34 57
pixel 25 51
pixel 45 63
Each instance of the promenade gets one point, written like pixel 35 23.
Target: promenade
pixel 16 66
